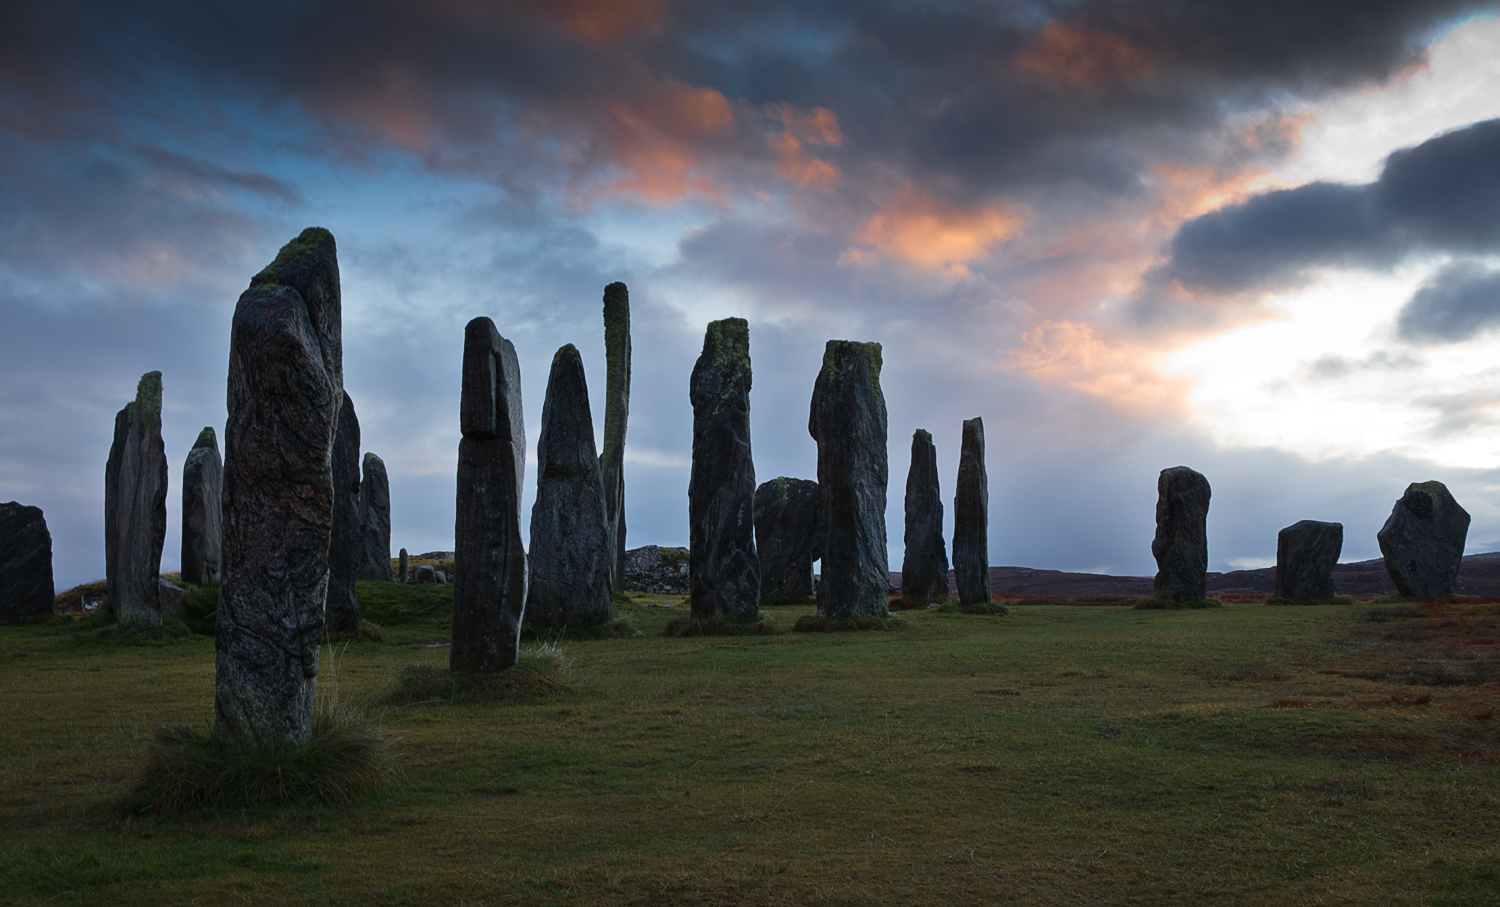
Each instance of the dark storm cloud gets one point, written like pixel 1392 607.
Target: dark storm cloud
pixel 1457 303
pixel 1442 195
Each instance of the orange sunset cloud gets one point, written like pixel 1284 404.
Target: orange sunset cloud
pixel 1071 56
pixel 933 235
pixel 1128 377
pixel 654 141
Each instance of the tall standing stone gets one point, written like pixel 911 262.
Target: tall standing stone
pixel 616 414
pixel 1181 543
pixel 848 420
pixel 401 571
pixel 25 563
pixel 135 504
pixel 1423 541
pixel 971 518
pixel 924 566
pixel 489 589
pixel 571 555
pixel 375 522
pixel 203 510
pixel 286 385
pixel 723 569
pixel 346 542
pixel 787 540
pixel 1305 554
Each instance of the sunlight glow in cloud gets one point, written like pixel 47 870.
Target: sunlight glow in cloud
pixel 1126 375
pixel 1083 59
pixel 933 235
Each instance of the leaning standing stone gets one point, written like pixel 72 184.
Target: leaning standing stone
pixel 1305 554
pixel 786 538
pixel 570 547
pixel 346 543
pixel 25 563
pixel 971 518
pixel 375 522
pixel 724 571
pixel 616 414
pixel 202 510
pixel 285 389
pixel 1181 543
pixel 924 567
pixel 1423 541
pixel 848 421
pixel 489 591
pixel 135 504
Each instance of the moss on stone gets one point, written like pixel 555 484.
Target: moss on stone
pixel 923 434
pixel 728 344
pixel 207 438
pixel 617 366
pixel 870 352
pixel 306 243
pixel 370 457
pixel 145 410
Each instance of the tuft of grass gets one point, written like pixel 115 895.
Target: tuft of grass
pixel 367 631
pixel 954 606
pixel 1172 604
pixel 1335 600
pixel 396 604
pixel 541 670
pixel 132 629
pixel 718 626
pixel 818 623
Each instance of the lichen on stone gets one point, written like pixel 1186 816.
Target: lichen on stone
pixel 306 243
pixel 207 438
pixel 145 410
pixel 617 365
pixel 728 342
pixel 869 351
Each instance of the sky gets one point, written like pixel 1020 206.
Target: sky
pixel 1260 239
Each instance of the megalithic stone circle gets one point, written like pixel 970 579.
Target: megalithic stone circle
pixel 375 521
pixel 284 393
pixel 723 569
pixel 1181 543
pixel 346 543
pixel 848 420
pixel 1422 541
pixel 924 565
pixel 489 560
pixel 1305 554
pixel 135 504
pixel 571 556
pixel 203 510
pixel 616 415
pixel 787 538
pixel 971 518
pixel 26 589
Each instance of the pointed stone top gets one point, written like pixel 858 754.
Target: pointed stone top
pixel 145 409
pixel 567 351
pixel 922 435
pixel 371 458
pixel 295 258
pixel 207 438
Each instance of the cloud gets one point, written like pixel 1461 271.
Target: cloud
pixel 931 234
pixel 1457 303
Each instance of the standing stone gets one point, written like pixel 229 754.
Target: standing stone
pixel 570 545
pixel 724 571
pixel 202 510
pixel 1423 541
pixel 286 385
pixel 1181 543
pixel 616 414
pixel 971 518
pixel 401 575
pixel 135 504
pixel 346 543
pixel 1305 554
pixel 786 538
pixel 25 563
pixel 375 522
pixel 489 589
pixel 924 567
pixel 848 420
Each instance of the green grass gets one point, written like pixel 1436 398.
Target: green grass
pixel 1243 755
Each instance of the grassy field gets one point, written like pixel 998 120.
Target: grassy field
pixel 1059 755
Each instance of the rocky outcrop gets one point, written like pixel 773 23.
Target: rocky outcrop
pixel 1181 543
pixel 724 569
pixel 346 542
pixel 924 567
pixel 1306 553
pixel 25 563
pixel 971 518
pixel 848 421
pixel 570 548
pixel 663 571
pixel 202 510
pixel 616 415
pixel 135 504
pixel 1423 541
pixel 374 522
pixel 285 389
pixel 489 589
pixel 786 538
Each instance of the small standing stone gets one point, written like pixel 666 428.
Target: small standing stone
pixel 848 421
pixel 724 571
pixel 402 575
pixel 25 563
pixel 571 555
pixel 786 538
pixel 1181 543
pixel 1305 554
pixel 924 567
pixel 202 510
pixel 135 504
pixel 346 544
pixel 616 414
pixel 375 521
pixel 971 518
pixel 1423 541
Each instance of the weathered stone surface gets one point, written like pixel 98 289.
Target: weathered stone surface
pixel 724 571
pixel 346 541
pixel 787 538
pixel 171 598
pixel 284 393
pixel 135 504
pixel 1423 541
pixel 1181 543
pixel 439 578
pixel 1305 554
pixel 848 420
pixel 924 566
pixel 616 414
pixel 375 521
pixel 202 510
pixel 489 589
pixel 571 555
pixel 426 575
pixel 971 518
pixel 660 570
pixel 401 574
pixel 25 563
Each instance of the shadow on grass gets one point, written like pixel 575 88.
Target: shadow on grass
pixel 953 606
pixel 1172 604
pixel 718 626
pixel 818 623
pixel 540 671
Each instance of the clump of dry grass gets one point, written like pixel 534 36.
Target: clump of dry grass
pixel 681 628
pixel 819 623
pixel 541 670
